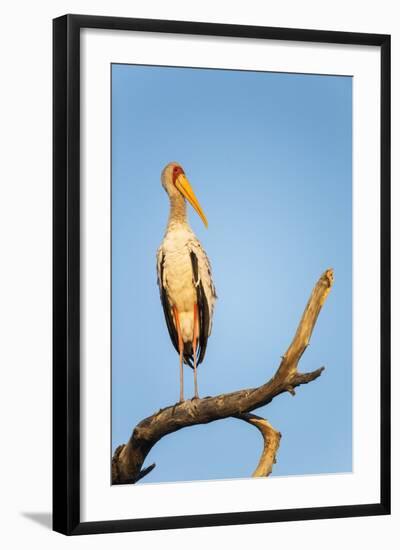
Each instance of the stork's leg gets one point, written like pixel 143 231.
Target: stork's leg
pixel 180 345
pixel 194 346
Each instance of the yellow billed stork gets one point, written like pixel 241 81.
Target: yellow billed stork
pixel 184 276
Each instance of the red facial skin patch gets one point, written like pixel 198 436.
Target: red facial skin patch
pixel 177 171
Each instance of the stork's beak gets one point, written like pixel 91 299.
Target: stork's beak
pixel 185 188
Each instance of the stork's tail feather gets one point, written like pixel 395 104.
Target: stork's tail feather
pixel 188 354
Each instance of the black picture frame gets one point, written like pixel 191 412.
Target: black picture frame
pixel 66 273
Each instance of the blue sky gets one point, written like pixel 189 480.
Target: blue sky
pixel 270 158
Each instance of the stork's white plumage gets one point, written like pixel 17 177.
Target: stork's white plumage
pixel 184 276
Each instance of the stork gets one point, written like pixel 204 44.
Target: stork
pixel 184 276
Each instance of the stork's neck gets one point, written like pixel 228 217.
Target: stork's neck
pixel 177 212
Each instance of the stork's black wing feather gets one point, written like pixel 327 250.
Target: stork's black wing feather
pixel 167 308
pixel 203 310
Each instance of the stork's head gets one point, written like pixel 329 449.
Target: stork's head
pixel 176 184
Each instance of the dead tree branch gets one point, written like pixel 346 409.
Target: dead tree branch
pixel 129 458
pixel 271 439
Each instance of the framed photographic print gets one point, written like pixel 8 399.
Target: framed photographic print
pixel 221 274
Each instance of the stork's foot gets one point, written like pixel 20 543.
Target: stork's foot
pixel 177 404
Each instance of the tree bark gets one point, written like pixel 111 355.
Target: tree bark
pixel 128 459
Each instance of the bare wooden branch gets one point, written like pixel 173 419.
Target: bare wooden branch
pixel 128 459
pixel 271 439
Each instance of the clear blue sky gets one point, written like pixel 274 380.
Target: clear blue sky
pixel 270 158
